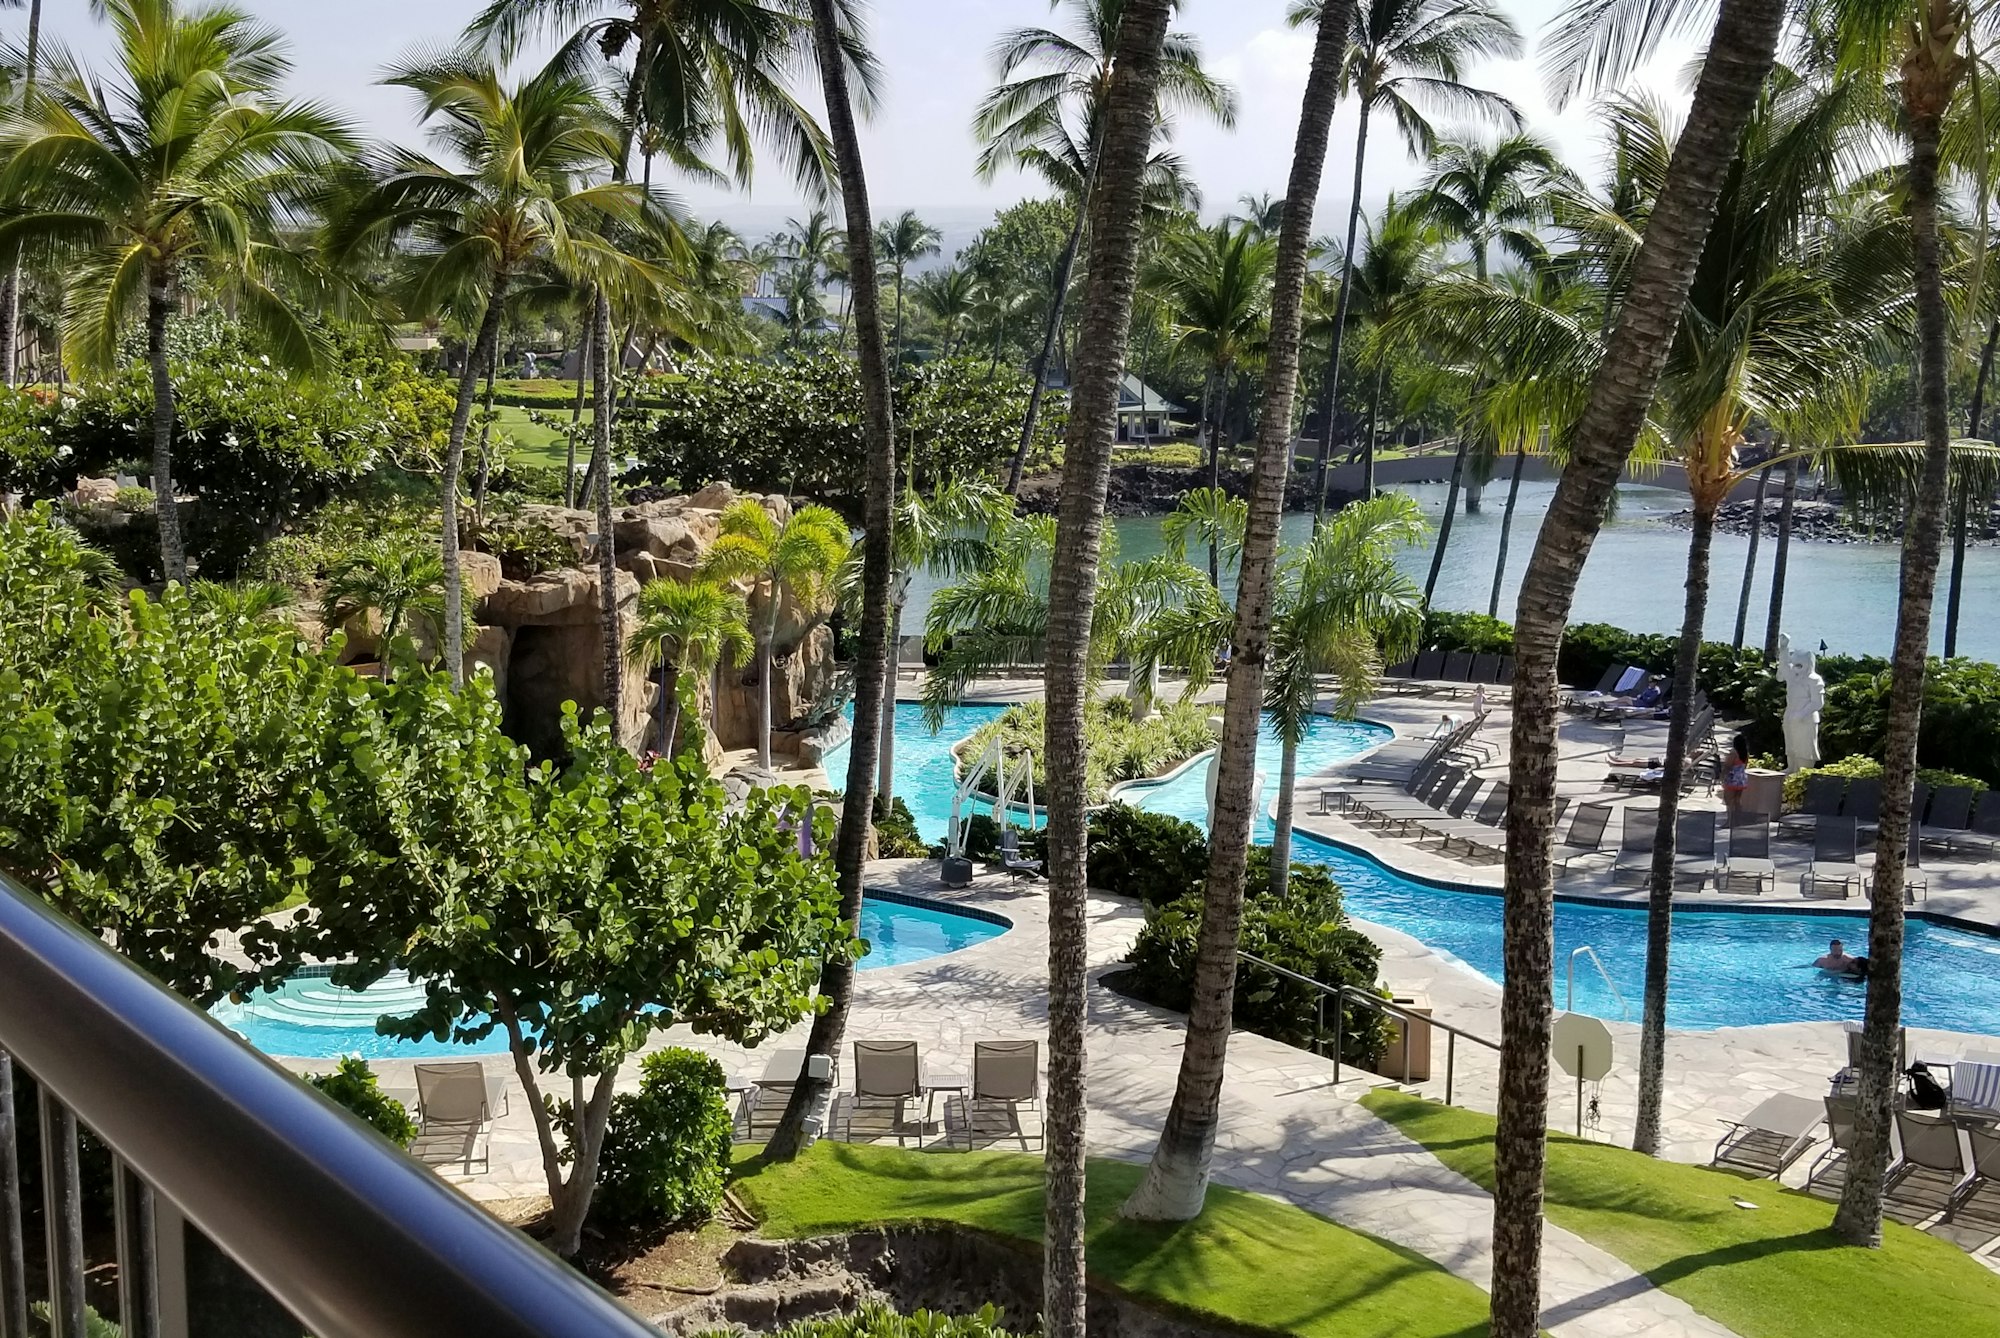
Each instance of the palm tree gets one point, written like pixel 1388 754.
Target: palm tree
pixel 796 560
pixel 686 627
pixel 1265 212
pixel 1410 57
pixel 950 296
pixel 1215 284
pixel 873 669
pixel 1739 56
pixel 1124 138
pixel 809 246
pixel 900 243
pixel 10 287
pixel 401 582
pixel 1397 258
pixel 242 601
pixel 518 199
pixel 1047 114
pixel 184 164
pixel 1211 517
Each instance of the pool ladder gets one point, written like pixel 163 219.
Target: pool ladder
pixel 1624 1009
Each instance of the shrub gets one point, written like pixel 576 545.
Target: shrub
pixel 1961 720
pixel 525 549
pixel 666 1149
pixel 878 1321
pixel 1304 931
pixel 896 832
pixel 1444 630
pixel 1116 746
pixel 353 1086
pixel 1860 767
pixel 1152 856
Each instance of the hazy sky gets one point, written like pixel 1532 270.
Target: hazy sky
pixel 919 149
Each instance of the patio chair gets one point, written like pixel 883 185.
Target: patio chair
pixel 1864 804
pixel 1585 838
pixel 1581 700
pixel 888 1076
pixel 1975 1089
pixel 1845 1079
pixel 1401 670
pixel 1834 860
pixel 1977 1202
pixel 1491 842
pixel 1360 806
pixel 453 1117
pixel 1694 849
pixel 1770 1138
pixel 1485 669
pixel 1636 839
pixel 1006 1079
pixel 1950 815
pixel 1829 1170
pixel 1452 811
pixel 1011 860
pixel 1491 812
pixel 1396 814
pixel 1983 834
pixel 1504 675
pixel 1822 800
pixel 1457 667
pixel 1932 1170
pixel 1750 857
pixel 1915 883
pixel 1428 666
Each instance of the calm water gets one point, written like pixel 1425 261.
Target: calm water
pixel 926 773
pixel 1843 594
pixel 1328 742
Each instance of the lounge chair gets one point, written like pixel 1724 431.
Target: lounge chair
pixel 889 1077
pixel 1975 1090
pixel 1606 686
pixel 1504 675
pixel 1950 815
pixel 453 1116
pixel 1011 860
pixel 1491 842
pixel 1396 813
pixel 1492 811
pixel 1977 1202
pixel 1450 813
pixel 1822 800
pixel 1750 857
pixel 1829 1170
pixel 1585 838
pixel 1457 667
pixel 1984 833
pixel 1428 667
pixel 1834 859
pixel 1006 1079
pixel 1915 883
pixel 1845 1080
pixel 1357 804
pixel 1932 1170
pixel 1771 1137
pixel 1695 857
pixel 1864 805
pixel 1636 839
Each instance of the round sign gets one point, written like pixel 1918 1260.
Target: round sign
pixel 1582 1045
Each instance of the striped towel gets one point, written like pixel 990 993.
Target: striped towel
pixel 1975 1086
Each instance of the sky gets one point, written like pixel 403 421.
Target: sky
pixel 919 148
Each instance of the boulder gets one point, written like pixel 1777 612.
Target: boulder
pixel 480 572
pixel 655 536
pixel 94 492
pixel 714 497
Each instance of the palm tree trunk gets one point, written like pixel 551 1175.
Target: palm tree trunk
pixel 454 459
pixel 896 343
pixel 1374 425
pixel 388 637
pixel 1739 58
pixel 1660 893
pixel 1926 94
pixel 670 709
pixel 610 621
pixel 766 666
pixel 10 288
pixel 1214 475
pixel 583 344
pixel 1340 318
pixel 1058 294
pixel 1507 529
pixel 1281 823
pixel 1450 510
pixel 871 670
pixel 886 780
pixel 1780 559
pixel 1750 559
pixel 173 555
pixel 1962 500
pixel 1115 204
pixel 480 479
pixel 1176 1182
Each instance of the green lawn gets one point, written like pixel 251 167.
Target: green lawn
pixel 1773 1272
pixel 1248 1260
pixel 533 443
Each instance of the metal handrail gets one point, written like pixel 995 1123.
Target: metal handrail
pixel 1569 1002
pixel 1344 993
pixel 348 1234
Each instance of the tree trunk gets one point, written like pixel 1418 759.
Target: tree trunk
pixel 569 1202
pixel 1340 319
pixel 1444 525
pixel 1214 473
pixel 1115 206
pixel 173 555
pixel 766 666
pixel 1065 265
pixel 1750 559
pixel 896 345
pixel 480 479
pixel 1176 1182
pixel 1507 529
pixel 610 627
pixel 454 459
pixel 1374 424
pixel 583 344
pixel 1962 498
pixel 1926 94
pixel 1660 893
pixel 1281 833
pixel 10 289
pixel 670 709
pixel 1780 559
pixel 872 671
pixel 886 782
pixel 1739 58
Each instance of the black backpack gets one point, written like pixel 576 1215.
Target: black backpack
pixel 1926 1093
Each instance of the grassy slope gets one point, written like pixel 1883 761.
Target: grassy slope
pixel 1776 1272
pixel 1250 1260
pixel 532 442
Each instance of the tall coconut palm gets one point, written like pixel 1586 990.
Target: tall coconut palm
pixel 1215 284
pixel 949 296
pixel 10 286
pixel 514 195
pixel 1047 114
pixel 873 669
pixel 1739 57
pixel 686 627
pixel 182 164
pixel 1398 256
pixel 794 561
pixel 1410 58
pixel 900 243
pixel 404 584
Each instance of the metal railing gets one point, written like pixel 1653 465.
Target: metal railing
pixel 206 1135
pixel 1569 1002
pixel 1411 1020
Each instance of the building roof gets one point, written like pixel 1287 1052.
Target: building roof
pixel 1135 396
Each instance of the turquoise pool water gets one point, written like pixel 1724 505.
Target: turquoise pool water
pixel 925 772
pixel 309 1017
pixel 1328 742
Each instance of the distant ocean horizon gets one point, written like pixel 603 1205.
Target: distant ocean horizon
pixel 959 223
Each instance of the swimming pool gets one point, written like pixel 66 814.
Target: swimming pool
pixel 309 1017
pixel 1184 793
pixel 926 773
pixel 1727 968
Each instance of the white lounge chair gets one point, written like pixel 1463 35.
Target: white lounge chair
pixel 453 1117
pixel 1771 1137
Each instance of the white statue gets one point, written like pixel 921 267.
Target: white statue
pixel 1805 693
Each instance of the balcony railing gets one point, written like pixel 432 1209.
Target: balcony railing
pixel 209 1139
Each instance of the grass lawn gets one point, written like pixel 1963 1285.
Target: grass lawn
pixel 1248 1259
pixel 1775 1272
pixel 533 443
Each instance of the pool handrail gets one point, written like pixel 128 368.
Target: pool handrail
pixel 1569 1003
pixel 1409 1017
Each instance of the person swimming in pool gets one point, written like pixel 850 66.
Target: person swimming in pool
pixel 1836 962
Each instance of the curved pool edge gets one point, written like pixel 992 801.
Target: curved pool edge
pixel 970 912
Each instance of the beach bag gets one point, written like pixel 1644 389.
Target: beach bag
pixel 1926 1093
